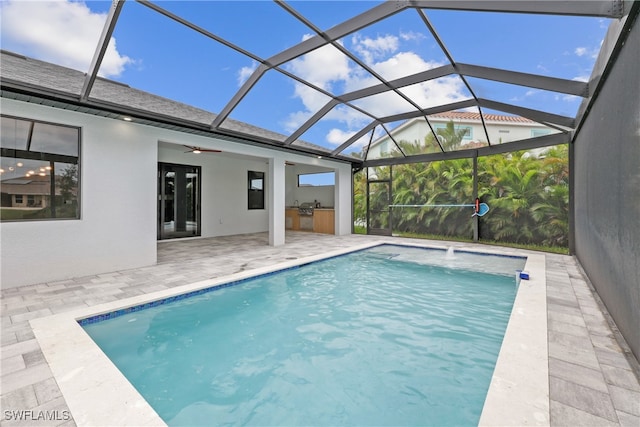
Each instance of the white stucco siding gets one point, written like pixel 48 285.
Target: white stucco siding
pixel 224 205
pixel 118 191
pixel 118 184
pixel 325 195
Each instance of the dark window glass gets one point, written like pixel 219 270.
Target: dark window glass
pixel 39 161
pixel 256 190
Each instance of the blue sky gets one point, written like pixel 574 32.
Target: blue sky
pixel 152 53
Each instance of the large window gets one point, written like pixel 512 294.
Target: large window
pixel 256 190
pixel 316 179
pixel 39 170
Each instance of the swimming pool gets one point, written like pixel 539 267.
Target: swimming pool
pixel 374 350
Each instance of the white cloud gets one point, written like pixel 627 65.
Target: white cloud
pixel 329 69
pixel 581 51
pixel 403 64
pixel 338 136
pixel 245 72
pixel 591 53
pixel 570 98
pixel 63 32
pixel 581 78
pixel 542 68
pixel 372 49
pixel 322 67
pixel 412 35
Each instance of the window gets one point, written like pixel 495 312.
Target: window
pixel 256 190
pixel 40 160
pixel 539 132
pixel 316 179
pixel 468 130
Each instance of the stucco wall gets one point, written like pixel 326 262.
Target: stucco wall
pixel 118 225
pixel 607 192
pixel 118 196
pixel 224 203
pixel 325 195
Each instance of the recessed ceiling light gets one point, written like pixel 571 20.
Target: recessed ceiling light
pixel 196 151
pixel 319 157
pixel 127 119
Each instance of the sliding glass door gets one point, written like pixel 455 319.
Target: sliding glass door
pixel 178 201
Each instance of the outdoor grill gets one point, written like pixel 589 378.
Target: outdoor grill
pixel 306 209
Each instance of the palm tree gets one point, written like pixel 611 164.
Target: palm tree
pixel 450 138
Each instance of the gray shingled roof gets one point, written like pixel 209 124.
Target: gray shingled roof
pixel 39 77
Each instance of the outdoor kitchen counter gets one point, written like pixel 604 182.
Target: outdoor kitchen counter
pixel 323 220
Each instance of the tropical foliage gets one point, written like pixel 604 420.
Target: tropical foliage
pixel 527 191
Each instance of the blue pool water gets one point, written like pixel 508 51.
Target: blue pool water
pixel 391 336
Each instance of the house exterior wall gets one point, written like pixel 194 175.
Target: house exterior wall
pixel 118 186
pixel 607 192
pixel 118 195
pixel 325 195
pixel 224 205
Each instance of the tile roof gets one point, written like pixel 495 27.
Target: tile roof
pixel 464 115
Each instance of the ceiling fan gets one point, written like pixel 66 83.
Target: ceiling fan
pixel 198 150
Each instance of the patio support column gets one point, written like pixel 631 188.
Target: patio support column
pixel 343 200
pixel 276 183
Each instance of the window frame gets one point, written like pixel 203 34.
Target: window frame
pixel 51 157
pixel 536 133
pixel 467 136
pixel 251 192
pixel 319 185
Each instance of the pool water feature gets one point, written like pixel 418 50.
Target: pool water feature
pixel 388 336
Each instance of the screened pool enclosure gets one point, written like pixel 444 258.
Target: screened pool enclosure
pixel 530 107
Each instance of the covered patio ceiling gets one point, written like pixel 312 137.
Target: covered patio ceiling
pixel 346 97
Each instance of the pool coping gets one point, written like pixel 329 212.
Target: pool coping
pixel 98 394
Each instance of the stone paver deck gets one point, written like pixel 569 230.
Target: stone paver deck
pixel 593 378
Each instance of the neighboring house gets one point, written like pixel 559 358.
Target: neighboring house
pixel 500 129
pixel 33 192
pixel 25 193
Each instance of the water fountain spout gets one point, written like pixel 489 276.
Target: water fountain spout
pixel 450 253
